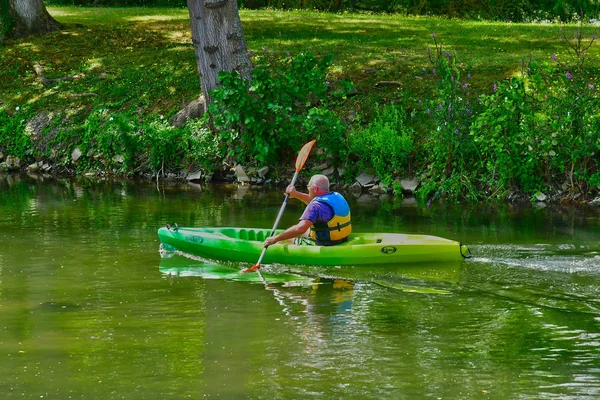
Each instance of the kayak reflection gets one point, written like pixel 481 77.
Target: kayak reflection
pixel 431 278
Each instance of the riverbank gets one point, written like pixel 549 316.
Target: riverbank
pixel 434 109
pixel 365 185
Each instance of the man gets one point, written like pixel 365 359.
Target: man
pixel 327 215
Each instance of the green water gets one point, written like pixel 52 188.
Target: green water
pixel 90 309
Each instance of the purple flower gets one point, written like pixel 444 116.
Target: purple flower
pixel 433 35
pixel 265 48
pixel 590 86
pixel 469 112
pixel 428 111
pixel 495 87
pixel 456 131
pixel 433 71
pixel 452 79
pixel 412 114
pixel 465 86
pixel 554 57
pixel 441 106
pixel 469 76
pixel 569 76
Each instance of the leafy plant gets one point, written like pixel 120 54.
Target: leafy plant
pixel 387 144
pixel 269 117
pixel 447 118
pixel 14 138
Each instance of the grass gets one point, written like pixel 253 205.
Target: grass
pixel 143 59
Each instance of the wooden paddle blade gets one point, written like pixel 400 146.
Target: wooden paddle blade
pixel 303 155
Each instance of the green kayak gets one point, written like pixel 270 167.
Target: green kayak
pixel 246 244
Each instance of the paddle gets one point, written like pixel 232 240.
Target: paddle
pixel 300 160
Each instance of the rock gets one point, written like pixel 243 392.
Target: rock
pixel 118 158
pixel 409 185
pixel 366 180
pixel 328 172
pixel 378 189
pixel 13 163
pixel 46 167
pixel 76 154
pixel 195 109
pixel 596 201
pixel 262 172
pixel 539 196
pixel 341 171
pixel 355 189
pixel 241 175
pixel 33 167
pixel 194 175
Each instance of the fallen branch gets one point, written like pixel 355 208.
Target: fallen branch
pixel 83 95
pixel 39 71
pixel 388 83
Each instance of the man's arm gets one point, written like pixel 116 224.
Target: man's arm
pixel 291 232
pixel 294 194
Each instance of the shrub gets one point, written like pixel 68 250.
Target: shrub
pixel 445 120
pixel 268 118
pixel 387 144
pixel 14 138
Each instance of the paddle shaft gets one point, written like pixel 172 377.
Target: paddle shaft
pixel 285 201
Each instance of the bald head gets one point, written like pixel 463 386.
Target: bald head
pixel 321 182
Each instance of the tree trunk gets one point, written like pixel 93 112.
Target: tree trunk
pixel 218 40
pixel 20 18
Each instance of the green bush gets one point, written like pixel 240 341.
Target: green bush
pixel 444 121
pixel 14 138
pixel 268 118
pixel 386 144
pixel 542 128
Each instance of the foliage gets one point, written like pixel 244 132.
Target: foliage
pixel 268 118
pixel 517 10
pixel 542 127
pixel 15 139
pixel 517 132
pixel 124 143
pixel 387 144
pixel 446 118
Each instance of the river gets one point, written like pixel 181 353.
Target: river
pixel 91 310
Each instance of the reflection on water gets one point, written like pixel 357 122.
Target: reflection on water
pixel 90 309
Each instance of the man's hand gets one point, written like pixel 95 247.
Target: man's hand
pixel 291 190
pixel 271 240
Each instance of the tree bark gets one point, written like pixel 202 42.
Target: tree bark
pixel 20 18
pixel 218 41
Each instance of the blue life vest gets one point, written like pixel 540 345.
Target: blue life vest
pixel 337 229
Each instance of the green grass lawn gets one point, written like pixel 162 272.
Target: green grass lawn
pixel 143 58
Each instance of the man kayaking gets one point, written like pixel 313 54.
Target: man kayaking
pixel 326 218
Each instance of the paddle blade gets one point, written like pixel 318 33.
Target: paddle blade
pixel 251 269
pixel 303 155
